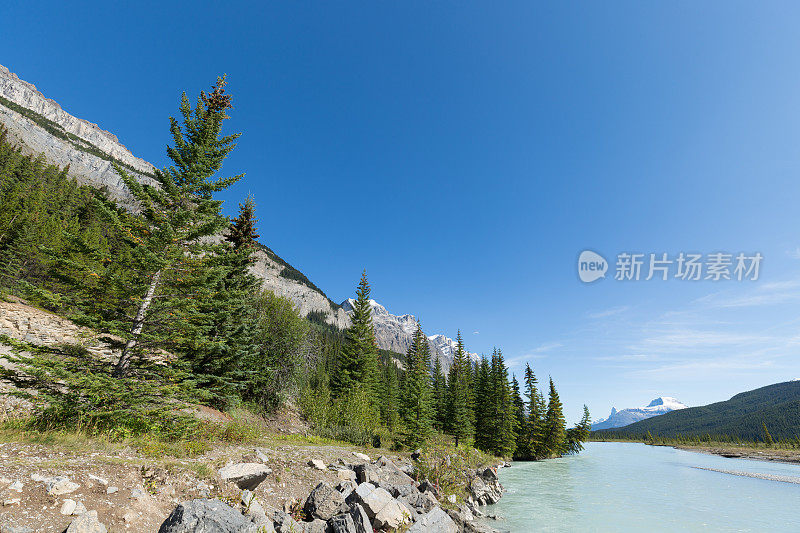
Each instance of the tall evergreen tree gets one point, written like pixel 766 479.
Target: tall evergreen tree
pixel 417 406
pixel 482 405
pixel 534 429
pixel 358 361
pixel 503 437
pixel 439 395
pixel 175 216
pixel 522 450
pixel 460 413
pixel 390 397
pixel 554 441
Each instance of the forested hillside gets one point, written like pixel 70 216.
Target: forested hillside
pixel 771 412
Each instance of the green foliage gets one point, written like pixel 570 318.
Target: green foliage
pixel 417 409
pixel 460 413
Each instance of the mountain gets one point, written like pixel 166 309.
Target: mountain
pixel 41 126
pixel 659 406
pixel 743 416
pixel 396 333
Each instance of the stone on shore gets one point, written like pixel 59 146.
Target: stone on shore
pixel 246 476
pixel 435 521
pixel 87 523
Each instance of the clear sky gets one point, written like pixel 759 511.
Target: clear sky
pixel 465 153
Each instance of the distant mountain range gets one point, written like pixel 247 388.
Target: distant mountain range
pixel 743 416
pixel 659 406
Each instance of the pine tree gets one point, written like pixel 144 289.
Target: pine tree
pixel 553 444
pixel 767 437
pixel 167 237
pixel 523 444
pixel 482 405
pixel 417 405
pixel 390 397
pixel 503 437
pixel 358 362
pixel 242 232
pixel 439 395
pixel 460 413
pixel 577 435
pixel 534 429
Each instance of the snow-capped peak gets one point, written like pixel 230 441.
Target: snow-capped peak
pixel 659 406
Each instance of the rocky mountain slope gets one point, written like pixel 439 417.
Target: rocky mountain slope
pixel 659 406
pixel 41 126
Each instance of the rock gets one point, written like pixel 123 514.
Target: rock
pixel 246 476
pixel 11 501
pixel 324 502
pixel 402 490
pixel 360 493
pixel 16 486
pixel 342 523
pixel 421 502
pixel 416 454
pixel 362 456
pixel 316 463
pixel 435 521
pixel 485 487
pixel 252 509
pixel 490 474
pixel 360 519
pixel 86 523
pixel 98 479
pixel 346 488
pixel 79 509
pixel 60 485
pixel 204 489
pixel 385 511
pixel 206 516
pixel 316 526
pixel 68 507
pixel 466 512
pixel 451 498
pixel 138 494
pixel 15 529
pixel 366 473
pixel 284 523
pixel 345 474
pixel 427 486
pixel 129 516
pixel 111 490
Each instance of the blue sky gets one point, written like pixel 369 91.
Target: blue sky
pixel 466 153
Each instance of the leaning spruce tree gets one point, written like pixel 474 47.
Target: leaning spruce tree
pixel 177 213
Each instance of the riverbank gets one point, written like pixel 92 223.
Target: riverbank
pixel 743 452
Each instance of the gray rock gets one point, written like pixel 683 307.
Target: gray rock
pixel 385 511
pixel 360 519
pixel 16 486
pixel 421 502
pixel 324 502
pixel 86 523
pixel 60 485
pixel 435 521
pixel 342 523
pixel 112 490
pixel 246 476
pixel 284 523
pixel 346 488
pixel 360 492
pixel 252 509
pixel 316 526
pixel 206 516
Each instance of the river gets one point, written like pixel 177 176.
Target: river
pixel 633 487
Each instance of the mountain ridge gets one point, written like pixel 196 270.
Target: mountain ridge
pixel 624 417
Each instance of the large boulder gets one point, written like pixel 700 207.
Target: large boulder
pixel 246 476
pixel 284 523
pixel 86 523
pixel 385 511
pixel 58 486
pixel 206 516
pixel 435 521
pixel 324 502
pixel 342 523
pixel 360 519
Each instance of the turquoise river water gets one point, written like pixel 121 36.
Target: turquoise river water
pixel 632 487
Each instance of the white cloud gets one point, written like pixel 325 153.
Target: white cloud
pixel 610 312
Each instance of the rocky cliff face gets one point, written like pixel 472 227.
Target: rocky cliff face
pixel 41 126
